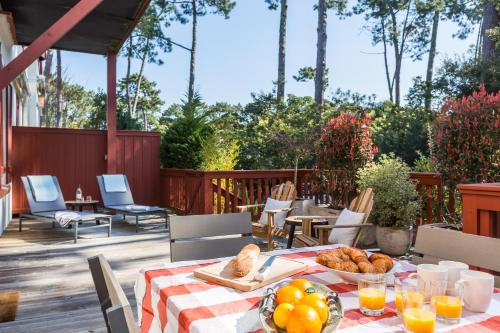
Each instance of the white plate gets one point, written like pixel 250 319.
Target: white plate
pixel 353 278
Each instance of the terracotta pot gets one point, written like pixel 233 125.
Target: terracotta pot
pixel 9 301
pixel 393 241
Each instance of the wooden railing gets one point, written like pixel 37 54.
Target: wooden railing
pixel 216 192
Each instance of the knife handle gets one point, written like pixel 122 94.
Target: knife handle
pixel 261 275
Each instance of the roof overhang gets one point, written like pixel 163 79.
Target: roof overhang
pixel 104 30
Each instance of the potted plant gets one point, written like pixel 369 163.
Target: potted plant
pixel 395 206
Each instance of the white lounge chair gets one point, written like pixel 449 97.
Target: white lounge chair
pixel 45 208
pixel 116 195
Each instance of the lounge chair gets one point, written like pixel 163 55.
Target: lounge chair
pixel 46 200
pixel 116 195
pixel 363 203
pixel 271 221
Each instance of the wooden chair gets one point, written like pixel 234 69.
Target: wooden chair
pixel 283 192
pixel 194 237
pixel 363 203
pixel 115 307
pixel 435 243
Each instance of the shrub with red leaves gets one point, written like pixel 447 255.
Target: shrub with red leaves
pixel 345 146
pixel 467 139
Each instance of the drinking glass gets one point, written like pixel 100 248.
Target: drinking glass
pixel 410 287
pixel 89 198
pixel 371 293
pixel 418 317
pixel 448 308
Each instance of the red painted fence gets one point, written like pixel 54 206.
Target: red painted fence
pixel 204 192
pixel 77 156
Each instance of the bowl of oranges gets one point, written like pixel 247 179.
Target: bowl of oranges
pixel 300 306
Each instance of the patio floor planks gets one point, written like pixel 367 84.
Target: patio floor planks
pixel 57 292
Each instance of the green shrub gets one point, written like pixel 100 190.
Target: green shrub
pixel 395 197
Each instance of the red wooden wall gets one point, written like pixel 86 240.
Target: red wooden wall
pixel 77 156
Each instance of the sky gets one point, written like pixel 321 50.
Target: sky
pixel 238 56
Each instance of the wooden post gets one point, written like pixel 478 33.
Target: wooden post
pixel 207 194
pixel 46 40
pixel 480 207
pixel 111 114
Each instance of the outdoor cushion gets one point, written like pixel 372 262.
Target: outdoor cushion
pixel 346 235
pixel 114 183
pixel 43 188
pixel 279 218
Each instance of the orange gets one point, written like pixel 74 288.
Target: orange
pixel 319 296
pixel 288 294
pixel 281 314
pixel 302 284
pixel 303 319
pixel 317 304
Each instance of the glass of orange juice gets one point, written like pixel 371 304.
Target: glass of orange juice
pixel 448 308
pixel 418 317
pixel 413 295
pixel 371 294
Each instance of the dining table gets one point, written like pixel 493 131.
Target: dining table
pixel 170 299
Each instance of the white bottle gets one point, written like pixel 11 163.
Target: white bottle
pixel 79 194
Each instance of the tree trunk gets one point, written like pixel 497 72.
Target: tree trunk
pixel 127 82
pixel 398 55
pixel 386 63
pixel 58 89
pixel 46 73
pixel 193 52
pixel 490 20
pixel 282 52
pixel 139 80
pixel 430 62
pixel 319 80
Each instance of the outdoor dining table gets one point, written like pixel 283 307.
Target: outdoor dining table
pixel 170 299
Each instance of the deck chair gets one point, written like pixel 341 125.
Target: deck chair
pixel 43 210
pixel 118 197
pixel 115 307
pixel 283 192
pixel 194 237
pixel 363 203
pixel 435 243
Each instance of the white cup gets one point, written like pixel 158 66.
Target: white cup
pixel 432 279
pixel 454 269
pixel 476 288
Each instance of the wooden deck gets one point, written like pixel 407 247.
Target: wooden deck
pixel 57 292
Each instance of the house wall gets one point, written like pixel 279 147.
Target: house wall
pixel 23 105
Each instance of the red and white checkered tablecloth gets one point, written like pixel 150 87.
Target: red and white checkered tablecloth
pixel 171 299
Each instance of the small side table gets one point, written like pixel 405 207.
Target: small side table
pixel 84 203
pixel 294 221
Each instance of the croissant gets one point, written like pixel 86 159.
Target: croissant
pixel 331 256
pixel 366 267
pixel 382 263
pixel 346 266
pixel 354 254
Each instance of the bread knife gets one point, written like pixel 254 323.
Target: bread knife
pixel 263 271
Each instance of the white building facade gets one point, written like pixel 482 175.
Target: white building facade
pixel 20 100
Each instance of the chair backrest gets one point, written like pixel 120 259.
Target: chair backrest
pixel 363 203
pixel 115 307
pixel 436 243
pixel 284 192
pixel 38 207
pixel 195 237
pixel 115 198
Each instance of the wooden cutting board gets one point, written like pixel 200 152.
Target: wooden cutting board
pixel 221 273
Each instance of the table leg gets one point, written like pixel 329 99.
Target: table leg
pixel 291 234
pixel 95 208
